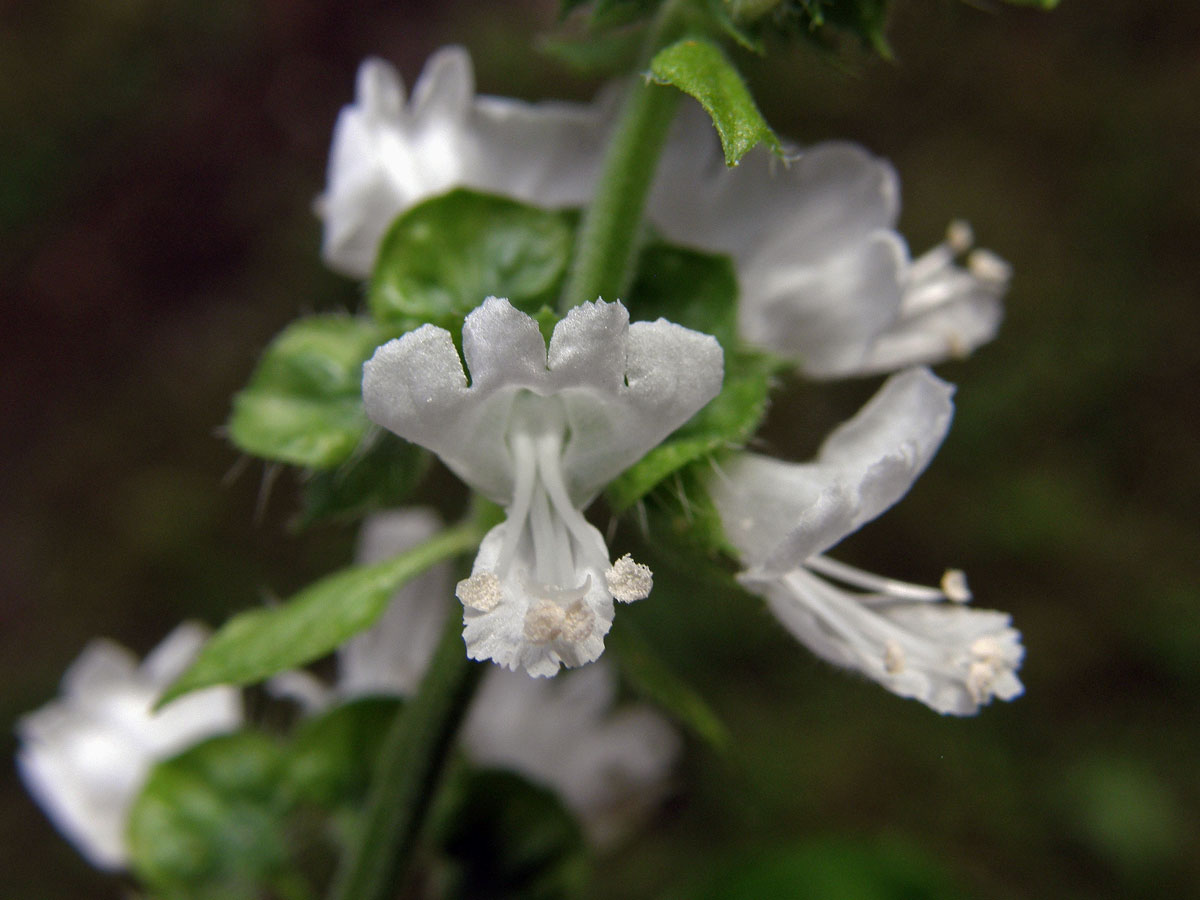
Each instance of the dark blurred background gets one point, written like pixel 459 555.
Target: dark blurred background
pixel 159 163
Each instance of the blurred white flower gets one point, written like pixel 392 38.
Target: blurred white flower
pixel 919 642
pixel 610 766
pixel 608 763
pixel 85 756
pixel 541 433
pixel 389 154
pixel 825 279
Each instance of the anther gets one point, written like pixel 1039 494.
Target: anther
pixel 578 622
pixel 987 266
pixel 954 586
pixel 629 580
pixel 893 657
pixel 480 592
pixel 980 677
pixel 544 622
pixel 959 236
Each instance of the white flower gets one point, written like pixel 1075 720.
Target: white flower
pixel 824 277
pixel 607 763
pixel 783 516
pixel 541 434
pixel 609 766
pixel 389 155
pixel 85 756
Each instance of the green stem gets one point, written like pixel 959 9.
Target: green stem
pixel 408 771
pixel 608 235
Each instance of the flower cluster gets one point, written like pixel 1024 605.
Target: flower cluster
pixel 825 279
pixel 824 283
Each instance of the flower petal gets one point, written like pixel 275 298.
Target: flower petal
pixel 828 314
pixel 503 346
pixel 85 756
pixel 504 631
pixel 779 514
pixel 623 389
pixel 392 655
pixel 608 765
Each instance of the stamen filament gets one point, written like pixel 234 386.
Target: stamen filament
pixel 868 581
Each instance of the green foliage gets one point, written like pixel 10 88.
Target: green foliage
pixel 649 676
pixel 506 837
pixel 210 822
pixel 333 755
pixel 303 404
pixel 698 290
pixel 442 258
pixel 698 67
pixel 820 870
pixel 258 643
pixel 381 473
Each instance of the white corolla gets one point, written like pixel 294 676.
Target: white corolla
pixel 85 756
pixel 541 433
pixel 390 153
pixel 920 642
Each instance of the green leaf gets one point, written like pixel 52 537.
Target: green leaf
pixel 210 823
pixel 258 643
pixel 441 259
pixel 509 838
pixel 691 288
pixel 381 473
pixel 303 404
pixel 333 755
pixel 698 290
pixel 698 67
pixel 650 677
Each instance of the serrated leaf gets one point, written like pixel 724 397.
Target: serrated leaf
pixel 381 473
pixel 698 67
pixel 441 259
pixel 507 837
pixel 333 755
pixel 209 823
pixel 650 677
pixel 303 404
pixel 259 643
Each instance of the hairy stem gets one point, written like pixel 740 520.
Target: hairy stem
pixel 608 235
pixel 408 771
